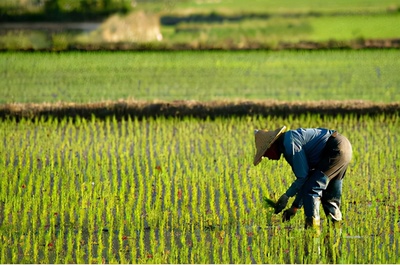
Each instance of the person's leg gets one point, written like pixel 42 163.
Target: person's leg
pixel 334 162
pixel 312 192
pixel 331 199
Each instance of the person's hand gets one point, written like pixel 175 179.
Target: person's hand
pixel 288 214
pixel 281 203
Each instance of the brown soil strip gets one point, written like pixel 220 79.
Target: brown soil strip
pixel 251 45
pixel 209 109
pixel 225 46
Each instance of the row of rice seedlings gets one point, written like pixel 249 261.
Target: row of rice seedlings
pixel 149 191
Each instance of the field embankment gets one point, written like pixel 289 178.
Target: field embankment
pixel 234 46
pixel 210 109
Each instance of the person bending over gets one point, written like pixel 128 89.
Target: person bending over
pixel 319 159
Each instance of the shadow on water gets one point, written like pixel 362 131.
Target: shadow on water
pixel 180 245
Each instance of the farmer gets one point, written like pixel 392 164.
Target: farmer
pixel 319 159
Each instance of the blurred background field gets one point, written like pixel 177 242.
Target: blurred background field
pixel 344 70
pixel 189 24
pixel 84 77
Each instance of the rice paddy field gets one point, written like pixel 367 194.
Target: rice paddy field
pixel 185 191
pixel 286 75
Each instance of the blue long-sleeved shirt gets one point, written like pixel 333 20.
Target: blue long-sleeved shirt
pixel 302 149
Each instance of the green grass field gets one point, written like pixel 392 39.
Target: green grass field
pixel 274 31
pixel 289 6
pixel 91 77
pixel 184 191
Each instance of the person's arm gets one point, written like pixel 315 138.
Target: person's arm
pixel 300 169
pixel 296 157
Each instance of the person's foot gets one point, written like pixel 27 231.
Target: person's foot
pixel 313 224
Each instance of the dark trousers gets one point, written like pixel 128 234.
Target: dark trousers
pixel 324 184
pixel 335 157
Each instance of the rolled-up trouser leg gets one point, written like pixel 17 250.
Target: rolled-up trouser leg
pixel 312 193
pixel 331 198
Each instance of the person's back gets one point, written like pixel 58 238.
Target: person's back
pixel 303 147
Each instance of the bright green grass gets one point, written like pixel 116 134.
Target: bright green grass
pixel 289 6
pixel 91 77
pixel 273 30
pixel 354 27
pixel 184 191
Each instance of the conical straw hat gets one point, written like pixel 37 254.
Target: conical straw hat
pixel 264 139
